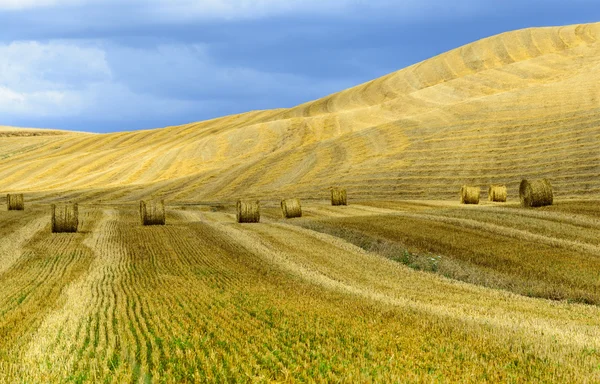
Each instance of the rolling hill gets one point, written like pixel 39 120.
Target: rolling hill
pixel 518 105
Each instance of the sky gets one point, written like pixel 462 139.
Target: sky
pixel 122 65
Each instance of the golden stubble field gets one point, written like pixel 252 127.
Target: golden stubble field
pixel 404 284
pixel 206 299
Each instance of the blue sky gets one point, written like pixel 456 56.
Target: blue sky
pixel 114 65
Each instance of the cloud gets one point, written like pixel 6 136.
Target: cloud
pixel 111 82
pixel 245 9
pixel 189 71
pixel 32 65
pixel 61 79
pixel 209 8
pixel 186 10
pixel 42 103
pixel 47 79
pixel 28 4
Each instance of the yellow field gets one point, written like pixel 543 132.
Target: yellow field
pixel 404 284
pixel 204 298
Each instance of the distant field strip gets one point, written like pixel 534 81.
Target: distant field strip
pixel 509 232
pixel 32 287
pixel 525 251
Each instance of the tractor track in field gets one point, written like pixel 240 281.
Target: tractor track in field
pixel 11 245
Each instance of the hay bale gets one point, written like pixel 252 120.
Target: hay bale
pixel 535 193
pixel 65 218
pixel 469 195
pixel 152 212
pixel 338 197
pixel 291 208
pixel 497 193
pixel 248 211
pixel 15 202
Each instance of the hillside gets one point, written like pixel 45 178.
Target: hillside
pixel 520 104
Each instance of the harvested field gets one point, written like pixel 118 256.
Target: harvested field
pixel 212 300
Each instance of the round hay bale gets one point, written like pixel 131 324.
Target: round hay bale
pixel 469 195
pixel 15 202
pixel 152 212
pixel 338 197
pixel 535 193
pixel 248 211
pixel 497 193
pixel 65 218
pixel 291 208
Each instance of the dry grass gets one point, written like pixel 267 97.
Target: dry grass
pixel 33 284
pixel 535 255
pixel 589 209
